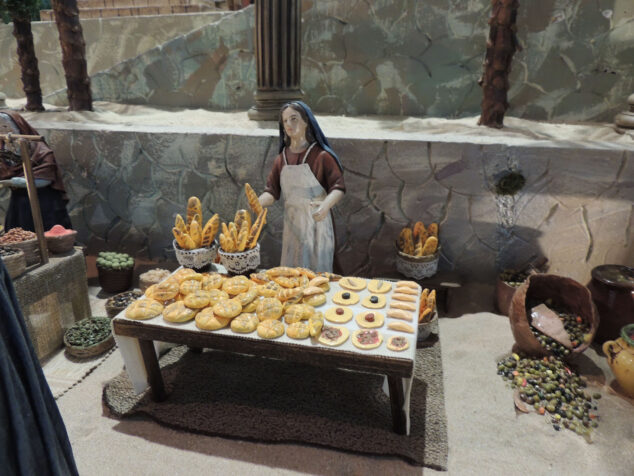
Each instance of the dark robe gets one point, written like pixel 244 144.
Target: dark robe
pixel 33 438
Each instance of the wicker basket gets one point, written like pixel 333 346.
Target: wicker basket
pixel 90 351
pixel 146 279
pixel 31 250
pixel 417 267
pixel 115 280
pixel 112 308
pixel 15 264
pixel 61 244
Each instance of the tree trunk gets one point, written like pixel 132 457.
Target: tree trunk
pixel 71 39
pixel 501 47
pixel 28 64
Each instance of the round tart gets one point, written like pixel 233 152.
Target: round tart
pixel 379 286
pixel 270 329
pixel 197 299
pixel 298 330
pixel 374 301
pixel 338 314
pixel 353 284
pixel 333 335
pixel 269 308
pixel 189 286
pixel 228 308
pixel 397 343
pixel 346 298
pixel 315 300
pixel 207 320
pixel 142 309
pixel 178 312
pixel 369 320
pixel 367 339
pixel 165 290
pixel 245 323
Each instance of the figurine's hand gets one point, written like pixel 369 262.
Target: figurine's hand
pixel 321 212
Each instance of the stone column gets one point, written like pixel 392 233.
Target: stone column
pixel 278 56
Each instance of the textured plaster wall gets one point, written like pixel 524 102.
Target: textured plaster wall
pixel 108 42
pixel 401 57
pixel 576 208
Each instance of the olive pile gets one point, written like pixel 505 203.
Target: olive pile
pixel 578 331
pixel 4 251
pixel 552 387
pixel 513 278
pixel 122 300
pixel 88 331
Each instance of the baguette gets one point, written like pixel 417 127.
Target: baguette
pixel 179 237
pixel 432 230
pixel 210 230
pixel 241 216
pixel 401 327
pixel 243 235
pixel 256 229
pixel 193 208
pixel 195 232
pixel 419 228
pixel 252 198
pixel 430 246
pixel 180 223
pixel 233 232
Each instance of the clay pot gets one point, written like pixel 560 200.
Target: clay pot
pixel 620 354
pixel 564 292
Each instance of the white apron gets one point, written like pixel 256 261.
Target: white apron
pixel 305 242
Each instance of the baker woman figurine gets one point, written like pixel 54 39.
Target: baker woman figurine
pixel 309 176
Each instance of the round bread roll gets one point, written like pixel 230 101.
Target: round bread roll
pixel 315 324
pixel 189 286
pixel 315 300
pixel 270 329
pixel 269 289
pixel 298 330
pixel 245 323
pixel 216 295
pixel 247 296
pixel 212 281
pixel 208 321
pixel 269 308
pixel 182 274
pixel 197 299
pixel 234 286
pixel 178 312
pixel 227 308
pixel 142 309
pixel 165 290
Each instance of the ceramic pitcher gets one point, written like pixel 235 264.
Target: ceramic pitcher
pixel 620 354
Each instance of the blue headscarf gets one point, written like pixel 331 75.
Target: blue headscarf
pixel 320 138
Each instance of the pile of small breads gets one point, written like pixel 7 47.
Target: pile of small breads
pixel 418 241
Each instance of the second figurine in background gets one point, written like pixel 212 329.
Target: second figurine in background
pixel 308 175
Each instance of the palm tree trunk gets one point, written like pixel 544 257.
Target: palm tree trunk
pixel 28 64
pixel 501 47
pixel 71 39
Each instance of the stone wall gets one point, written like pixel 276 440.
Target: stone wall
pixel 125 187
pixel 400 57
pixel 108 42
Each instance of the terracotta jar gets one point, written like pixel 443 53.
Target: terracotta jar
pixel 620 354
pixel 564 292
pixel 612 288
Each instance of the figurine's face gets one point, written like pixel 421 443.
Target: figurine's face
pixel 294 125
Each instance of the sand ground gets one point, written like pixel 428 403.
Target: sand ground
pixel 485 434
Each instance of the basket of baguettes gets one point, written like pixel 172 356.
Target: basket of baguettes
pixel 194 244
pixel 239 249
pixel 417 251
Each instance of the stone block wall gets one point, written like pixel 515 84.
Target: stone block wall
pixel 400 57
pixel 576 208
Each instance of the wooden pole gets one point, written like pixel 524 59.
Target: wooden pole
pixel 33 200
pixel 10 137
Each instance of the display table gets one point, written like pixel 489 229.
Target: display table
pixel 136 341
pixel 53 297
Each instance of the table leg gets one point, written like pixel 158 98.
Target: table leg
pixel 397 400
pixel 154 377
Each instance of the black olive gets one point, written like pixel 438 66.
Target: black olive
pixel 374 299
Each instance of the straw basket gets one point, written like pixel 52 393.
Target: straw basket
pixel 241 262
pixel 118 302
pixel 15 264
pixel 61 244
pixel 115 280
pixel 154 276
pixel 196 259
pixel 31 250
pixel 90 350
pixel 417 267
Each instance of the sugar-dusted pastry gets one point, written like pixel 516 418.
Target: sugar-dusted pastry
pixel 282 271
pixel 338 314
pixel 400 326
pixel 333 335
pixel 252 306
pixel 307 272
pixel 259 277
pixel 374 301
pixel 182 274
pixel 315 300
pixel 406 290
pixel 330 276
pixel 367 339
pixel 397 343
pixel 207 320
pixel 212 281
pixel 148 292
pixel 270 329
pixel 178 312
pixel 245 323
pixel 292 295
pixel 400 314
pixel 353 284
pixel 298 330
pixel 197 299
pixel 298 312
pixel 369 319
pixel 315 323
pixel 248 296
pixel 228 308
pixel 378 286
pixel 216 295
pixel 405 306
pixel 269 289
pixel 269 308
pixel 345 298
pixel 403 297
pixel 234 286
pixel 320 282
pixel 189 286
pixel 142 309
pixel 165 290
pixel 287 281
